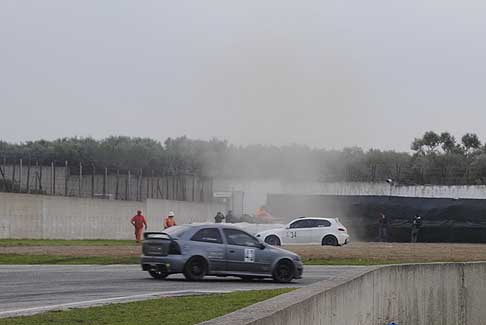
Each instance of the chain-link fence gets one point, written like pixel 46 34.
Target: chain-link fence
pixel 87 180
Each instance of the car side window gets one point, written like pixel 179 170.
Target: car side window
pixel 240 238
pixel 208 235
pixel 300 224
pixel 322 223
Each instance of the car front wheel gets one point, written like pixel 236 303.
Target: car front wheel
pixel 284 272
pixel 273 240
pixel 195 269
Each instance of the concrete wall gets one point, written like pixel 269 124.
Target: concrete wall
pixel 418 294
pixel 54 217
pixel 255 191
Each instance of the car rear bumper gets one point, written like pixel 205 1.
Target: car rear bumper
pixel 171 263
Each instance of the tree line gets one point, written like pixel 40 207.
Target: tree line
pixel 435 158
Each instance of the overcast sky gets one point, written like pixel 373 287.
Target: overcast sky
pixel 323 73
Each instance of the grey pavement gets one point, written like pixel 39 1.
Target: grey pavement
pixel 30 289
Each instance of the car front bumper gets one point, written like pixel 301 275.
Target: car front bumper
pixel 299 269
pixel 343 239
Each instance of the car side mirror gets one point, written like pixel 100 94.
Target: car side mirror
pixel 261 246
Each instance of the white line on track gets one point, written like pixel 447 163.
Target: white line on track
pixel 98 302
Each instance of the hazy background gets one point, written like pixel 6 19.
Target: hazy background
pixel 322 73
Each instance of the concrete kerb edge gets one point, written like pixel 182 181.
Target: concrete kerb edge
pixel 257 313
pixel 260 311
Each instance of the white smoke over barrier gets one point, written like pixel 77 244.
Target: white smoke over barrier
pixel 253 228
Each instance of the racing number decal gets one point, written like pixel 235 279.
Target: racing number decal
pixel 249 255
pixel 292 234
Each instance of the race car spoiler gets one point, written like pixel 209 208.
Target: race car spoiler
pixel 157 235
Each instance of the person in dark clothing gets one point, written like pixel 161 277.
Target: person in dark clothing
pixel 416 225
pixel 219 217
pixel 383 227
pixel 229 217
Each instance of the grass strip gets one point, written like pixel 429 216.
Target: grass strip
pixel 66 260
pixel 366 261
pixel 62 242
pixel 106 260
pixel 167 311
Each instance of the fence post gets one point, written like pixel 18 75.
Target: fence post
pixel 80 179
pixel 152 185
pixel 40 174
pixel 193 187
pixel 12 186
pixel 201 191
pixel 147 189
pixel 66 177
pixel 166 187
pixel 28 176
pixel 127 196
pixel 20 175
pixel 104 182
pixel 93 180
pixel 174 188
pixel 53 179
pixel 117 183
pixel 159 193
pixel 3 171
pixel 139 185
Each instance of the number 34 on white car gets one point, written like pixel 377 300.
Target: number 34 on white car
pixel 307 230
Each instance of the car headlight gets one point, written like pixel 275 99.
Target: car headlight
pixel 296 258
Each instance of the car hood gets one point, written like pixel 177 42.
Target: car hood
pixel 269 231
pixel 280 250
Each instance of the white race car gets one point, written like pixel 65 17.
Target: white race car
pixel 307 230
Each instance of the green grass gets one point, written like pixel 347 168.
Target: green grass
pixel 167 311
pixel 104 260
pixel 53 259
pixel 62 242
pixel 352 261
pixel 368 261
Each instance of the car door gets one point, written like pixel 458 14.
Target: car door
pixel 210 242
pixel 299 232
pixel 321 228
pixel 244 252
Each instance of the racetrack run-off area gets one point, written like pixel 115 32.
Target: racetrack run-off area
pixel 403 252
pixel 30 289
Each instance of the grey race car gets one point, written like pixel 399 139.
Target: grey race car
pixel 216 249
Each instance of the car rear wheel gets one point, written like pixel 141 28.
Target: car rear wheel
pixel 195 269
pixel 273 240
pixel 329 241
pixel 159 275
pixel 284 272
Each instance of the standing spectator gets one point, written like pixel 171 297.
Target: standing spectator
pixel 169 221
pixel 416 225
pixel 383 228
pixel 219 217
pixel 229 217
pixel 138 221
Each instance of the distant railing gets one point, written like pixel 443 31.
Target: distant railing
pixel 85 180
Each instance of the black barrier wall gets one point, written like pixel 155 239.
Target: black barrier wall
pixel 444 220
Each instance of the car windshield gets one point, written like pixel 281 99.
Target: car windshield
pixel 176 231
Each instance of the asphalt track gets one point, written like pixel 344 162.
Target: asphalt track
pixel 31 289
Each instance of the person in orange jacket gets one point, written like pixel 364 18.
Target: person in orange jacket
pixel 138 221
pixel 169 221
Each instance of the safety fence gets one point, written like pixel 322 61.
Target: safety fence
pixel 89 180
